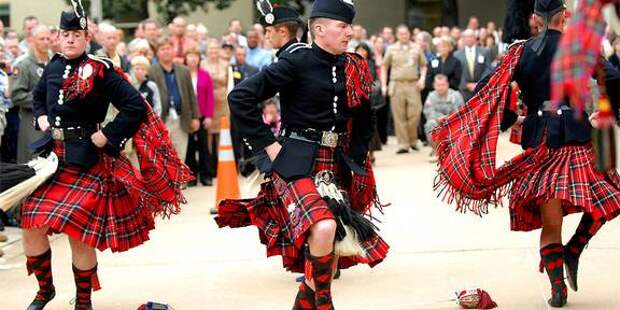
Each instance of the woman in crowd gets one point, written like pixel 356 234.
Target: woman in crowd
pixel 445 64
pixel 198 141
pixel 140 66
pixel 219 69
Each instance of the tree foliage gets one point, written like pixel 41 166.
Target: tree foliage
pixel 132 10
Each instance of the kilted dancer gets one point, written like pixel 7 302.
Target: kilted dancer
pixel 554 176
pixel 313 211
pixel 97 198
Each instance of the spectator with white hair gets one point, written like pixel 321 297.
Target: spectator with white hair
pixel 140 67
pixel 203 38
pixel 475 61
pixel 110 41
pixel 140 47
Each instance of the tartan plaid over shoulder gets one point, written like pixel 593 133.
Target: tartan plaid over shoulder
pixel 577 55
pixel 467 143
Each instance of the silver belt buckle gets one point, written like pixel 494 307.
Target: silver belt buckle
pixel 58 134
pixel 329 139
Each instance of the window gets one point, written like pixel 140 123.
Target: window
pixel 5 14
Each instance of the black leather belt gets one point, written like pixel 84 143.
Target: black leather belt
pixel 323 138
pixel 73 133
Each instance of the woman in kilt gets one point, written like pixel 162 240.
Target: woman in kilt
pixel 97 198
pixel 556 175
pixel 312 211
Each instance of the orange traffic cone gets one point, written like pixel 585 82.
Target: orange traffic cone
pixel 227 180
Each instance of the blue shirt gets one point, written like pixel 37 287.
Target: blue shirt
pixel 259 58
pixel 173 90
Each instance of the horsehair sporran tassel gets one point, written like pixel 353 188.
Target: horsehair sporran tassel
pixel 351 226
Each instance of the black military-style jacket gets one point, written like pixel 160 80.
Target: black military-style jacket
pixel 312 87
pixel 533 75
pixel 76 93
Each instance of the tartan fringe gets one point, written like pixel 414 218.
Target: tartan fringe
pixel 479 206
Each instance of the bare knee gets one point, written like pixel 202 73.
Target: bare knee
pixel 324 230
pixel 34 236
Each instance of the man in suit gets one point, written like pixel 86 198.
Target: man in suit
pixel 242 69
pixel 475 62
pixel 178 98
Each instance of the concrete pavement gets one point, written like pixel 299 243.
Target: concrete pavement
pixel 191 264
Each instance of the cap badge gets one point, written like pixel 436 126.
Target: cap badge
pixel 269 18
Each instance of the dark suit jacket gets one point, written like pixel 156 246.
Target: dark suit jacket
pixel 189 107
pixel 615 60
pixel 483 63
pixel 451 68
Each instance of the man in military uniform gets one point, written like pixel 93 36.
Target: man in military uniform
pixel 406 62
pixel 96 197
pixel 26 74
pixel 320 157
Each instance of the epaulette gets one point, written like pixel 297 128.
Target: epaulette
pixel 104 60
pixel 297 46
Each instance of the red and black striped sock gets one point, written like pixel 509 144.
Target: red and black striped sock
pixel 305 298
pixel 41 266
pixel 553 260
pixel 322 273
pixel 586 229
pixel 85 282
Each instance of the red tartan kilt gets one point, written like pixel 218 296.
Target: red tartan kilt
pixel 570 175
pixel 284 231
pixel 90 206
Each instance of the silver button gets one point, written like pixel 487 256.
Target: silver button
pixel 540 113
pixel 68 67
pixel 559 112
pixel 58 118
pixel 60 102
pixel 57 123
pixel 335 98
pixel 335 80
pixel 334 68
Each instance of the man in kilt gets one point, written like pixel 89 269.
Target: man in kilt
pixel 281 24
pixel 556 174
pixel 312 209
pixel 97 198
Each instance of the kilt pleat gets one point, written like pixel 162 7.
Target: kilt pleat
pixel 569 174
pixel 91 205
pixel 284 212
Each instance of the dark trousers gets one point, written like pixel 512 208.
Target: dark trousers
pixel 383 122
pixel 202 154
pixel 9 140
